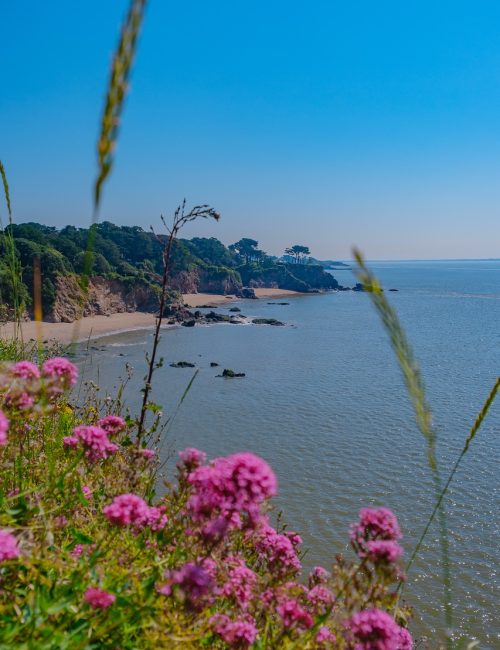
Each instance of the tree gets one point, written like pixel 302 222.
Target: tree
pixel 299 253
pixel 247 249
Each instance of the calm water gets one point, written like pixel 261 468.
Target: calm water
pixel 323 402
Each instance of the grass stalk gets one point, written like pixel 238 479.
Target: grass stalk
pixel 423 414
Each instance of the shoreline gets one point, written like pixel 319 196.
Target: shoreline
pixel 93 327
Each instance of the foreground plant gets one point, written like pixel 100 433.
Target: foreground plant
pixel 89 560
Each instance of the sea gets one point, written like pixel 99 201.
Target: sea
pixel 324 403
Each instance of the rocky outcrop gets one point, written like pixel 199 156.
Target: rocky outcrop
pixel 104 297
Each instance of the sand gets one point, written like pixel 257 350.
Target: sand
pixel 96 326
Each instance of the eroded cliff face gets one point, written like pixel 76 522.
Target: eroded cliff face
pixel 104 297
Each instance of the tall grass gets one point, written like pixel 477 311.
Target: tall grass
pixel 423 414
pixel 13 263
pixel 121 70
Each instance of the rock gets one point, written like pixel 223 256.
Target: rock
pixel 248 292
pixel 393 289
pixel 358 287
pixel 188 323
pixel 227 372
pixel 213 364
pixel 267 321
pixel 278 303
pixel 182 364
pixel 235 309
pixel 207 307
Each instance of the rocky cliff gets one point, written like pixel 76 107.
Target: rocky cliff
pixel 104 297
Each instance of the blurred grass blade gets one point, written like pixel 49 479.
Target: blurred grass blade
pixel 423 413
pixel 472 434
pixel 117 90
pixel 404 354
pixel 13 264
pixel 121 69
pixel 6 189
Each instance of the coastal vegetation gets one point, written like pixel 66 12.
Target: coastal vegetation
pixel 100 545
pixel 129 261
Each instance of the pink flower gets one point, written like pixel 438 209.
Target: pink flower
pixel 374 535
pixel 98 599
pixel 321 598
pixel 240 633
pixel 318 576
pixel 148 453
pixel 4 427
pixel 87 492
pixel 383 551
pixel 191 581
pixel 191 458
pixel 293 614
pixel 60 374
pixel 112 424
pixel 405 641
pixel 376 523
pixel 8 546
pixel 240 584
pixel 26 370
pixel 325 636
pixel 76 551
pixel 231 487
pixel 157 520
pixel 94 441
pixel 278 550
pixel 128 510
pixel 373 629
pixel 131 510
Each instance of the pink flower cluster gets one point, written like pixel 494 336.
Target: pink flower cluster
pixel 374 535
pixel 293 614
pixel 26 370
pixel 191 458
pixel 324 636
pixel 374 629
pixel 131 510
pixel 230 488
pixel 192 583
pixel 98 598
pixel 278 550
pixel 93 440
pixel 59 374
pixel 112 424
pixel 240 633
pixel 240 585
pixel 4 427
pixel 8 546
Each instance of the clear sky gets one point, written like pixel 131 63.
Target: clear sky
pixel 323 123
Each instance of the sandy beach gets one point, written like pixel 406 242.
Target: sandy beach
pixel 96 326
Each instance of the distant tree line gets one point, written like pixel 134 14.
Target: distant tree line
pixel 120 252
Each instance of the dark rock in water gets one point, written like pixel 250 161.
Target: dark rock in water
pixel 266 321
pixel 235 309
pixel 234 321
pixel 207 307
pixel 341 288
pixel 248 292
pixel 393 289
pixel 227 372
pixel 197 314
pixel 213 364
pixel 358 287
pixel 188 323
pixel 217 318
pixel 182 364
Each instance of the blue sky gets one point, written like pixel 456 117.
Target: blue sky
pixel 323 123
